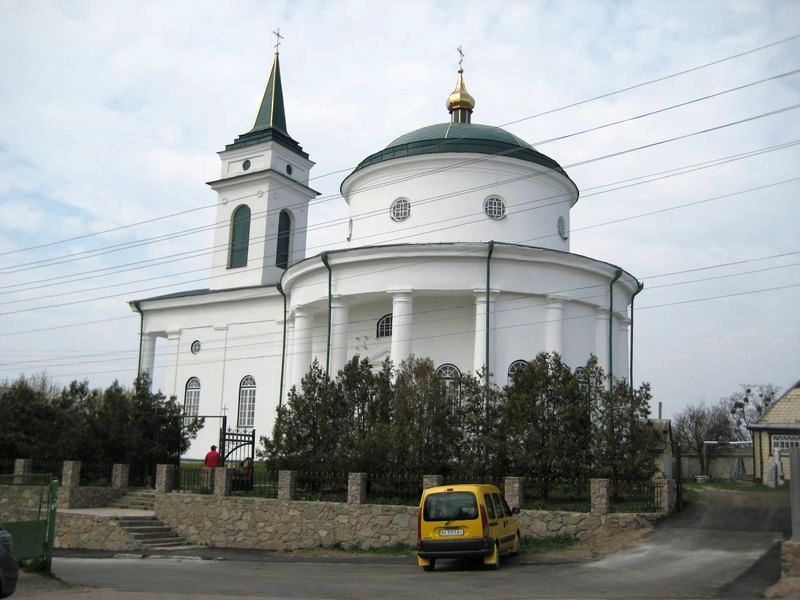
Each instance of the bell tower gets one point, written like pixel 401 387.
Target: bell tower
pixel 263 196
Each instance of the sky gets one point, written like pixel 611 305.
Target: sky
pixel 111 115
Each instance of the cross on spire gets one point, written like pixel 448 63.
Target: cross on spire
pixel 278 38
pixel 460 56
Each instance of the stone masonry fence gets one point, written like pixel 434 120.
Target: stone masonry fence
pixel 285 523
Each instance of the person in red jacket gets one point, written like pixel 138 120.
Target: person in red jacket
pixel 212 460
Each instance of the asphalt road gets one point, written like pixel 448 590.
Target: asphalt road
pixel 724 547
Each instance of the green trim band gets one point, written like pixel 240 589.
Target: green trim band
pixel 488 304
pixel 283 346
pixel 324 257
pixel 617 275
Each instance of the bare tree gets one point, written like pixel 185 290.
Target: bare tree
pixel 747 406
pixel 698 423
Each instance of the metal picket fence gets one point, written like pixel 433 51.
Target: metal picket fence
pixel 398 489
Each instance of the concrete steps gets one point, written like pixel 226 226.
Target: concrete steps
pixel 143 499
pixel 150 532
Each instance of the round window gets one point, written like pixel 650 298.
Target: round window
pixel 196 347
pixel 246 165
pixel 400 209
pixel 494 207
pixel 562 228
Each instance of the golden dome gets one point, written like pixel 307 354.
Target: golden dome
pixel 460 98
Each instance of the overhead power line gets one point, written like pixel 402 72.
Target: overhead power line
pixel 438 228
pixel 529 117
pixel 42 263
pixel 588 192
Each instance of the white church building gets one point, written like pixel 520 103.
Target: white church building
pixel 458 249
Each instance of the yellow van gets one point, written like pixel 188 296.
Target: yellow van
pixel 465 520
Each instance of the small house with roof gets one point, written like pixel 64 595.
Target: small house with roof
pixel 777 429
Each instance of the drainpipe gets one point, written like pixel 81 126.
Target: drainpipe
pixel 324 257
pixel 141 333
pixel 283 346
pixel 488 287
pixel 639 288
pixel 617 275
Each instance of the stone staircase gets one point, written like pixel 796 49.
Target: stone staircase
pixel 150 532
pixel 139 499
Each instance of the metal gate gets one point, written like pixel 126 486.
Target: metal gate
pixel 31 518
pixel 236 445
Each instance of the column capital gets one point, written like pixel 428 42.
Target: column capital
pixel 556 299
pixel 480 294
pixel 601 312
pixel 300 310
pixel 400 292
pixel 173 334
pixel 340 301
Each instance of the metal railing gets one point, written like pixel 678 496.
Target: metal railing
pixel 193 478
pixel 571 496
pixel 48 467
pixel 460 477
pixel 96 475
pixel 634 497
pixel 394 489
pixel 261 482
pixel 7 466
pixel 142 475
pixel 325 487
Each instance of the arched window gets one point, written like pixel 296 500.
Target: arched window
pixel 284 237
pixel 247 402
pixel 514 367
pixel 191 399
pixel 452 383
pixel 240 237
pixel 384 328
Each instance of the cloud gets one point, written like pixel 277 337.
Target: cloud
pixel 113 114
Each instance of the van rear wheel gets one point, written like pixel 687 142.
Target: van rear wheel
pixel 515 545
pixel 493 561
pixel 430 566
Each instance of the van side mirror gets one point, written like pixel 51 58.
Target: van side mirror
pixel 515 510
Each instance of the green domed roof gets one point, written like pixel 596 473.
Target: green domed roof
pixel 460 137
pixel 460 131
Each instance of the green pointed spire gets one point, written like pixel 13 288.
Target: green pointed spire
pixel 271 113
pixel 270 123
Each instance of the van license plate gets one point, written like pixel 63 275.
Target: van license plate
pixel 450 532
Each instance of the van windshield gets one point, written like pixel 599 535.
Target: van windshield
pixel 450 506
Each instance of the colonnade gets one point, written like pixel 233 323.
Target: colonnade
pixel 301 323
pixel 299 345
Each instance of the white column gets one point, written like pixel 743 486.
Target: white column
pixel 221 331
pixel 554 325
pixel 340 312
pixel 479 345
pixel 174 335
pixel 301 359
pixel 601 337
pixel 402 322
pixel 147 358
pixel 288 375
pixel 621 347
